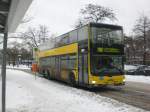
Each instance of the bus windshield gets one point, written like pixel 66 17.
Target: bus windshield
pixel 106 65
pixel 107 36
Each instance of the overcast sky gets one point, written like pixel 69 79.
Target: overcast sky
pixel 61 15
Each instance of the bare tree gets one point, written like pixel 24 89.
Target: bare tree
pixel 13 51
pixel 31 37
pixel 141 29
pixel 35 36
pixel 43 33
pixel 130 48
pixel 95 13
pixel 16 51
pixel 80 23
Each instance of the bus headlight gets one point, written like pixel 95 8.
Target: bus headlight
pixel 124 80
pixel 93 82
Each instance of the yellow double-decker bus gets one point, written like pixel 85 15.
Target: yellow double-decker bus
pixel 91 56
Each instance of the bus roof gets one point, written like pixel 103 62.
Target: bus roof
pixel 105 25
pixel 46 45
pixel 92 24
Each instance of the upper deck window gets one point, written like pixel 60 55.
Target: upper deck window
pixel 83 33
pixel 107 36
pixel 73 36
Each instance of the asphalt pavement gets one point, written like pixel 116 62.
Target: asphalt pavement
pixel 132 93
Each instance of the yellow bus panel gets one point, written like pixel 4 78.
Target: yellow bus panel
pixel 68 49
pixel 106 80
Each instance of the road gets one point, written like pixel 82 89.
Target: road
pixel 132 93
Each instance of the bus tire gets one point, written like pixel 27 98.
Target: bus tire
pixel 72 79
pixel 40 71
pixel 43 73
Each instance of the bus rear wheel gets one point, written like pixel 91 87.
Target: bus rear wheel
pixel 48 75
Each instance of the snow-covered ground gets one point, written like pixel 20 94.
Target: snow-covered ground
pixel 139 78
pixel 25 93
pixel 136 78
pixel 18 67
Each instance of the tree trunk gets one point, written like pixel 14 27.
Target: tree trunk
pixel 144 37
pixel 144 58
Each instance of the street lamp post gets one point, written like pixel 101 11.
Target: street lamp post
pixel 4 71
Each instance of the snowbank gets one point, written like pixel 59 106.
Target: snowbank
pixel 136 78
pixel 133 78
pixel 25 93
pixel 129 67
pixel 21 67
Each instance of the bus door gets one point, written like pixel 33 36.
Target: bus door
pixel 57 67
pixel 83 69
